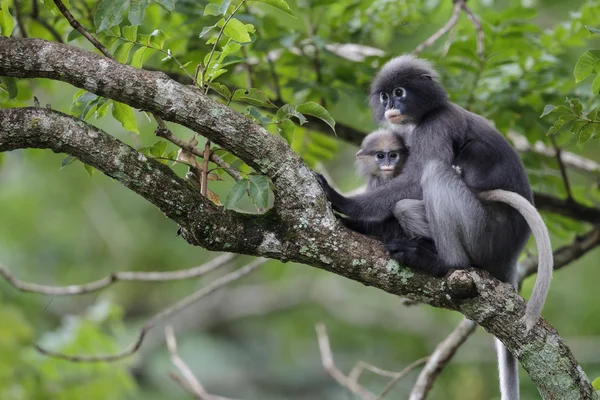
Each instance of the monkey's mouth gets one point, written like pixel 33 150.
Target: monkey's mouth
pixel 394 116
pixel 387 168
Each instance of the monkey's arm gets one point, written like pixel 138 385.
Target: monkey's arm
pixel 377 204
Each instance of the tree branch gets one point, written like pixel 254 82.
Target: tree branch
pixel 115 277
pixel 301 226
pixel 164 314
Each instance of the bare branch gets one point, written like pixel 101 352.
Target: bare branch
pixel 443 30
pixel 166 313
pixel 333 371
pixel 189 380
pixel 570 160
pixel 475 21
pixel 440 357
pixel 564 255
pixel 401 375
pixel 116 277
pixel 76 25
pixel 561 165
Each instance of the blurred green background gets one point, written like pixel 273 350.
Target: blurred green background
pixel 256 338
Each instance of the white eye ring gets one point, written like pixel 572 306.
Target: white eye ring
pixel 399 92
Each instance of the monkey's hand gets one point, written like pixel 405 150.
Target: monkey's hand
pixel 332 195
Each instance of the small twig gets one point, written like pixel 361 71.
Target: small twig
pixel 204 174
pixel 401 375
pixel 333 371
pixel 440 357
pixel 71 290
pixel 76 25
pixel 212 51
pixel 248 67
pixel 443 30
pixel 165 133
pixel 19 18
pixel 188 376
pixel 274 76
pixel 152 322
pixel 563 170
pixel 564 255
pixel 188 380
pixel 36 17
pixel 480 35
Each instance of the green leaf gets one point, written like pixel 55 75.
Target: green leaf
pixel 575 106
pixel 138 57
pixel 224 6
pixel 212 9
pixel 547 110
pixel 90 170
pixel 286 111
pixel 286 129
pixel 102 108
pixel 596 85
pixel 67 161
pixel 316 110
pixel 110 13
pixel 257 116
pixel 592 30
pixel 81 103
pixel 11 86
pixel 559 124
pixel 596 383
pixel 158 39
pixel 130 33
pixel 236 30
pixel 168 5
pixel 587 132
pixel 136 12
pixel 280 4
pixel 158 148
pixel 585 65
pixel 259 190
pixel 230 48
pixel 221 89
pixel 252 96
pixel 236 193
pixel 74 34
pixel 124 114
pixel 7 22
pixel 122 52
pixel 206 29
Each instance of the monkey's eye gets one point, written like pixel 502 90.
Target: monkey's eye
pixel 399 92
pixel 380 155
pixel 393 155
pixel 383 97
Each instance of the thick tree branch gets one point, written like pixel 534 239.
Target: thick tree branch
pixel 301 227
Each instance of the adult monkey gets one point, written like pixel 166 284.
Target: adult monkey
pixel 467 231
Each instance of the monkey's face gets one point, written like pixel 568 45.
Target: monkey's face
pixel 404 92
pixel 380 163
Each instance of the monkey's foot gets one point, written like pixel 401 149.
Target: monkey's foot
pixel 418 253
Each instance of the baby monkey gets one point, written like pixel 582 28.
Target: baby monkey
pixel 381 157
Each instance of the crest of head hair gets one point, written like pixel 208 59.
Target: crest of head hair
pixel 409 64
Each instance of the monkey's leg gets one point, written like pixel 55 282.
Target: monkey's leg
pixel 457 218
pixel 412 217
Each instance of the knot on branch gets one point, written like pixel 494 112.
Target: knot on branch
pixel 462 285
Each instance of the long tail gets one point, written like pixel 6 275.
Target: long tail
pixel 542 240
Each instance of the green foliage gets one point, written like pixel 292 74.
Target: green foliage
pixel 25 374
pixel 596 384
pixel 10 86
pixel 7 22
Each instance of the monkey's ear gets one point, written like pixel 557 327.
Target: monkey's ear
pixel 360 152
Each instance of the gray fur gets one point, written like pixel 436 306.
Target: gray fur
pixel 411 214
pixel 466 230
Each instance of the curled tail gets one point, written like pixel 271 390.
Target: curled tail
pixel 544 247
